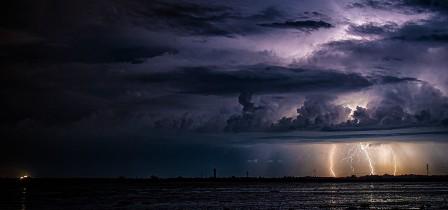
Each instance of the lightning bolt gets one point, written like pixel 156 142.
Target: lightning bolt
pixel 364 149
pixel 395 165
pixel 350 154
pixel 395 161
pixel 331 160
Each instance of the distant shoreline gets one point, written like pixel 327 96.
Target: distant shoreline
pixel 373 178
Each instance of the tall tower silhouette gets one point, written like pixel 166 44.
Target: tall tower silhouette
pixel 427 169
pixel 214 173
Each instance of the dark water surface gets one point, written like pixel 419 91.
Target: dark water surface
pixel 223 195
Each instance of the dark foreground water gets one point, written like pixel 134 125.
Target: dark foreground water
pixel 223 195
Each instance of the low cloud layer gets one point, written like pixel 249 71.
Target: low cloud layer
pixel 263 80
pixel 299 25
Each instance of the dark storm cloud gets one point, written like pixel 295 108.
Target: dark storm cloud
pixel 412 49
pixel 119 31
pixel 399 106
pixel 431 4
pixel 245 99
pixel 403 6
pixel 270 13
pixel 376 4
pixel 105 32
pixel 81 31
pixel 87 51
pixel 317 111
pixel 432 30
pixel 408 103
pixel 299 25
pixel 251 117
pixel 437 37
pixel 187 17
pixel 262 80
pixel 434 37
pixel 116 31
pixel 408 49
pixel 212 20
pixel 372 29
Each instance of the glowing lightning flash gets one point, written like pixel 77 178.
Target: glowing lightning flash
pixel 395 165
pixel 384 152
pixel 364 149
pixel 331 159
pixel 395 161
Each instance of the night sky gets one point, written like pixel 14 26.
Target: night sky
pixel 176 88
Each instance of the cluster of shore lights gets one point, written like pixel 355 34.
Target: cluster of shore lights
pixel 24 177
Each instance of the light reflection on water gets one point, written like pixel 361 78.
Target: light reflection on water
pixel 23 199
pixel 237 195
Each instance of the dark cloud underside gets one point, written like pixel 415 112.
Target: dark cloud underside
pixel 263 80
pixel 299 25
